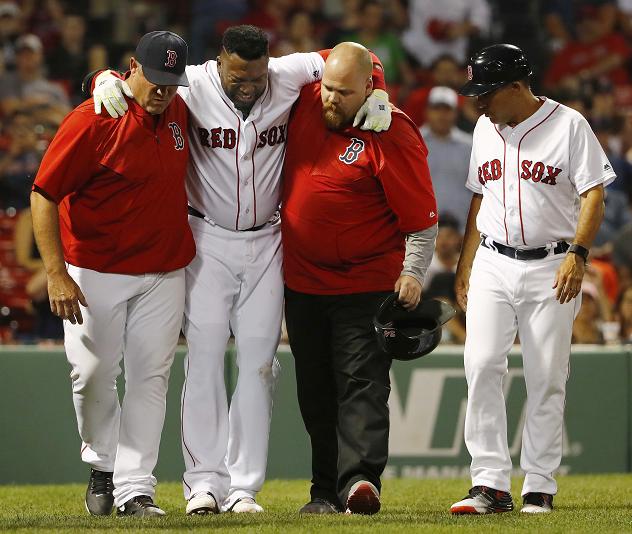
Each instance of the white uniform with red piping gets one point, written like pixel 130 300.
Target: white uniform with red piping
pixel 531 177
pixel 235 282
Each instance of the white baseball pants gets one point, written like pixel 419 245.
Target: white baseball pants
pixel 507 296
pixel 234 284
pixel 136 318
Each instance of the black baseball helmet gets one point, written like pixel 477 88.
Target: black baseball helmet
pixel 406 335
pixel 495 66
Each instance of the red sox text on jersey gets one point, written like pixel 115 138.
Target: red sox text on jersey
pixel 535 171
pixel 227 137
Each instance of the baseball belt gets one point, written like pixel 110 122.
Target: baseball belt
pixel 200 215
pixel 560 247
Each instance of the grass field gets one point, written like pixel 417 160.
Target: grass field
pixel 585 504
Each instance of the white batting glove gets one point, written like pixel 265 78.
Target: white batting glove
pixel 376 112
pixel 109 91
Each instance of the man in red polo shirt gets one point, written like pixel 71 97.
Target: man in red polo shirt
pixel 110 218
pixel 358 221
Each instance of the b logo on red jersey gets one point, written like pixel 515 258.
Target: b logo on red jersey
pixel 176 131
pixel 353 151
pixel 171 59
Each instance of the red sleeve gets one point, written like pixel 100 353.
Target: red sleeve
pixel 378 69
pixel 70 159
pixel 405 176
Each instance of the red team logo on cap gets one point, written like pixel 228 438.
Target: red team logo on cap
pixel 469 72
pixel 171 59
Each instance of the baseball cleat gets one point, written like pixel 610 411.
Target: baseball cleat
pixel 140 506
pixel 245 505
pixel 319 506
pixel 99 497
pixel 202 503
pixel 483 500
pixel 363 499
pixel 537 503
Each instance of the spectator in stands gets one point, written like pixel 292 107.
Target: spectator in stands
pixel 624 315
pixel 207 20
pixel 10 26
pixel 595 311
pixel 590 56
pixel 444 27
pixel 271 16
pixel 68 61
pixel 586 328
pixel 442 288
pixel 444 71
pixel 448 154
pixel 19 164
pixel 374 33
pixel 622 256
pixel 447 248
pixel 347 22
pixel 26 89
pixel 300 35
pixel 561 19
pixel 48 327
pixel 44 18
pixel 617 199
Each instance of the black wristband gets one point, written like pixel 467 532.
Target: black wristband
pixel 579 250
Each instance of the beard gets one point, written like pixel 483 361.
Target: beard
pixel 333 118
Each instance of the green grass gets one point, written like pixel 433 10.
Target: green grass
pixel 600 503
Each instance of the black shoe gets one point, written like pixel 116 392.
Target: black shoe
pixel 483 500
pixel 537 503
pixel 99 498
pixel 319 506
pixel 140 506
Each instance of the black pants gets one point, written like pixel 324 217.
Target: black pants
pixel 343 385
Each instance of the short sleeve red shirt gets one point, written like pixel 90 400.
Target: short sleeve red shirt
pixel 349 198
pixel 120 188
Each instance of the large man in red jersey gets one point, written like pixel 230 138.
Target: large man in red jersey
pixel 110 218
pixel 358 221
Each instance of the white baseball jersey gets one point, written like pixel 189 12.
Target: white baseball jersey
pixel 235 167
pixel 531 176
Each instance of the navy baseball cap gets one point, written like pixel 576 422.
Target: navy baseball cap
pixel 163 56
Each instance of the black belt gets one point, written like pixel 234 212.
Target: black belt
pixel 199 214
pixel 525 254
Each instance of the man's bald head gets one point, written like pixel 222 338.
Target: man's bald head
pixel 350 56
pixel 346 83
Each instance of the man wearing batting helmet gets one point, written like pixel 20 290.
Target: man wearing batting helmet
pixel 537 174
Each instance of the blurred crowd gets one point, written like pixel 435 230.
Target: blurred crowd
pixel 582 56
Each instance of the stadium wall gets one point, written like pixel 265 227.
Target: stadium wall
pixel 39 441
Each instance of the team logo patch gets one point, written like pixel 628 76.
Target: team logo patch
pixel 176 131
pixel 469 72
pixel 171 59
pixel 353 151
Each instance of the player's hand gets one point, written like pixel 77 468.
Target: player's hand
pixel 376 112
pixel 109 91
pixel 462 286
pixel 568 278
pixel 409 290
pixel 65 296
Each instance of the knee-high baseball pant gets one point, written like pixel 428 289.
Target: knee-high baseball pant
pixel 233 284
pixel 506 297
pixel 136 318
